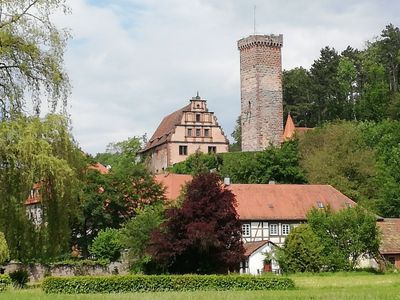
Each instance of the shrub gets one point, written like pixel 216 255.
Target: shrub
pixel 106 245
pixel 5 280
pixel 4 252
pixel 301 252
pixel 19 278
pixel 163 283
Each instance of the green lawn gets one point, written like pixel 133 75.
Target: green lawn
pixel 337 286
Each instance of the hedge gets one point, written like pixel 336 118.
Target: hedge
pixel 5 280
pixel 162 283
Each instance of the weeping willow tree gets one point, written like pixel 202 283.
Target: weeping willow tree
pixel 38 151
pixel 31 56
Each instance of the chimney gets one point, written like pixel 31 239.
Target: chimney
pixel 227 181
pixel 271 182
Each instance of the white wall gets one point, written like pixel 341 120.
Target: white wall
pixel 256 260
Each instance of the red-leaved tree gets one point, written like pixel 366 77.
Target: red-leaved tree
pixel 203 236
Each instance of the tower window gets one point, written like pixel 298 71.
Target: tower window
pixel 206 132
pixel 198 132
pixel 212 149
pixel 182 150
pixel 197 117
pixel 189 132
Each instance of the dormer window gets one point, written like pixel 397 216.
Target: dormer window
pixel 197 117
pixel 320 204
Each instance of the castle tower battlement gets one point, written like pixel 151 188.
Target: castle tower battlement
pixel 261 91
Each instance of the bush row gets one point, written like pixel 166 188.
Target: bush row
pixel 5 280
pixel 162 283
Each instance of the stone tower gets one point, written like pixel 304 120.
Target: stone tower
pixel 261 91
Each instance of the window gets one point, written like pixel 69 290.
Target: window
pixel 212 149
pixel 246 229
pixel 285 229
pixel 198 132
pixel 320 204
pixel 189 131
pixel 273 229
pixel 391 259
pixel 182 150
pixel 197 117
pixel 206 132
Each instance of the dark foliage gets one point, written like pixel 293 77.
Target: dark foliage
pixel 19 278
pixel 202 236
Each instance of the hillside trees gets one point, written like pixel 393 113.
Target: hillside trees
pixel 31 56
pixel 352 85
pixel 203 236
pixel 337 154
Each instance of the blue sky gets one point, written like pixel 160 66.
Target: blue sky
pixel 131 62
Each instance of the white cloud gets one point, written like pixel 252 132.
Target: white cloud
pixel 132 62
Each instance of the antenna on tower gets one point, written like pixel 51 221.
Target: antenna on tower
pixel 254 18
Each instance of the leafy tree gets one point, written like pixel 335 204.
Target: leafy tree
pixel 109 200
pixel 384 137
pixel 38 151
pixel 136 235
pixel 345 235
pixel 203 236
pixel 31 57
pixel 4 252
pixel 120 155
pixel 107 245
pixel 302 251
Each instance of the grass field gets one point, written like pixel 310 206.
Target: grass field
pixel 329 286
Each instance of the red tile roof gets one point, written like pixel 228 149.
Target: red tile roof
pixel 390 229
pixel 251 247
pixel 166 128
pixel 271 201
pixel 173 184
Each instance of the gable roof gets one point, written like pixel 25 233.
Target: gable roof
pixel 166 128
pixel 270 201
pixel 390 239
pixel 251 247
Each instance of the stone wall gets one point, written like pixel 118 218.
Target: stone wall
pixel 261 91
pixel 37 272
